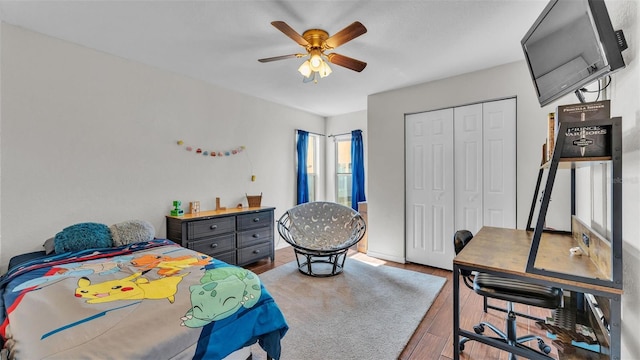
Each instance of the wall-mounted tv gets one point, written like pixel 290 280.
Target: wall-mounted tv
pixel 571 44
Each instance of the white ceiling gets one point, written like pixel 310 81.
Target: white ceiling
pixel 407 43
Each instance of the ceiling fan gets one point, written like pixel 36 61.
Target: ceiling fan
pixel 316 42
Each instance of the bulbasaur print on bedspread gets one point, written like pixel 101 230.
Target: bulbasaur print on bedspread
pixel 145 300
pixel 221 293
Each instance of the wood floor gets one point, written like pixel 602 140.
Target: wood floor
pixel 433 339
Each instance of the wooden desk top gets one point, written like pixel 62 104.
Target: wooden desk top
pixel 507 251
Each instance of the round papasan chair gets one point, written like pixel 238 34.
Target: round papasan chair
pixel 321 233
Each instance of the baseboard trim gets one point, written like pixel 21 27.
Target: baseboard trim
pixel 381 256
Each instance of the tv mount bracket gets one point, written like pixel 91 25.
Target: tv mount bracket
pixel 622 42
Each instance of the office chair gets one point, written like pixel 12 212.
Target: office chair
pixel 512 291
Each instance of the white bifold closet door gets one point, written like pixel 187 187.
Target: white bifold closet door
pixel 429 188
pixel 460 174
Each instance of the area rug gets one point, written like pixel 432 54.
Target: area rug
pixel 369 311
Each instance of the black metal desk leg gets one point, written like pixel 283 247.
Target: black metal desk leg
pixel 456 312
pixel 614 327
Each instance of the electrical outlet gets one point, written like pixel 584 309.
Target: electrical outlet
pixel 585 239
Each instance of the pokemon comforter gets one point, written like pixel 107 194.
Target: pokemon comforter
pixel 151 300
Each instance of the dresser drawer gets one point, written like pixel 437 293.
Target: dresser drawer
pixel 228 257
pixel 255 236
pixel 253 253
pixel 214 245
pixel 255 220
pixel 210 227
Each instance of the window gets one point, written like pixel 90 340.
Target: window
pixel 312 165
pixel 343 170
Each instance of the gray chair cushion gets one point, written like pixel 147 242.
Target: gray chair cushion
pixel 323 226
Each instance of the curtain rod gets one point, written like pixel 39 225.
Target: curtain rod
pixel 347 133
pixel 311 132
pixel 332 135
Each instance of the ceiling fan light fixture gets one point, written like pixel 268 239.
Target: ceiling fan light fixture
pixel 315 60
pixel 325 70
pixel 305 69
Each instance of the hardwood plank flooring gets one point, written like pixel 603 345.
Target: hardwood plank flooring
pixel 433 338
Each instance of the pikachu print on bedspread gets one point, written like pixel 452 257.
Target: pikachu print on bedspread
pixel 134 287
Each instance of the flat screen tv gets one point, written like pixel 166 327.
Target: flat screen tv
pixel 571 44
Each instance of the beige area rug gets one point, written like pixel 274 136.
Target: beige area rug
pixel 369 311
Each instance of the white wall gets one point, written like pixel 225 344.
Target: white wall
pixel 87 136
pixel 342 124
pixel 625 102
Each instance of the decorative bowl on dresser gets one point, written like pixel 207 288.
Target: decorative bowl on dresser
pixel 237 236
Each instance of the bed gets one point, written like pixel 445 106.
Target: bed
pixel 144 300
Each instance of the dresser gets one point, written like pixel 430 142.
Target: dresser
pixel 237 236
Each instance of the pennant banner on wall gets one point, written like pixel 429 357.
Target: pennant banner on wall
pixel 213 153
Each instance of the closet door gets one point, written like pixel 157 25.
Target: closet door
pixel 485 165
pixel 460 173
pixel 429 188
pixel 468 139
pixel 499 163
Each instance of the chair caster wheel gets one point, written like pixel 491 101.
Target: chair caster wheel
pixel 479 329
pixel 544 347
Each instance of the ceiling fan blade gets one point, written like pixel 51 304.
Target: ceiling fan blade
pixel 281 57
pixel 287 30
pixel 310 78
pixel 345 61
pixel 347 34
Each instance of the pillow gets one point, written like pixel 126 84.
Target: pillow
pixel 49 246
pixel 131 231
pixel 83 236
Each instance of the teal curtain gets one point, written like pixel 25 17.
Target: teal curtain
pixel 303 183
pixel 357 173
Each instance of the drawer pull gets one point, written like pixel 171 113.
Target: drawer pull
pixel 255 236
pixel 213 246
pixel 256 219
pixel 256 251
pixel 213 227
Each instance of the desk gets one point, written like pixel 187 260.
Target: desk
pixel 504 252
